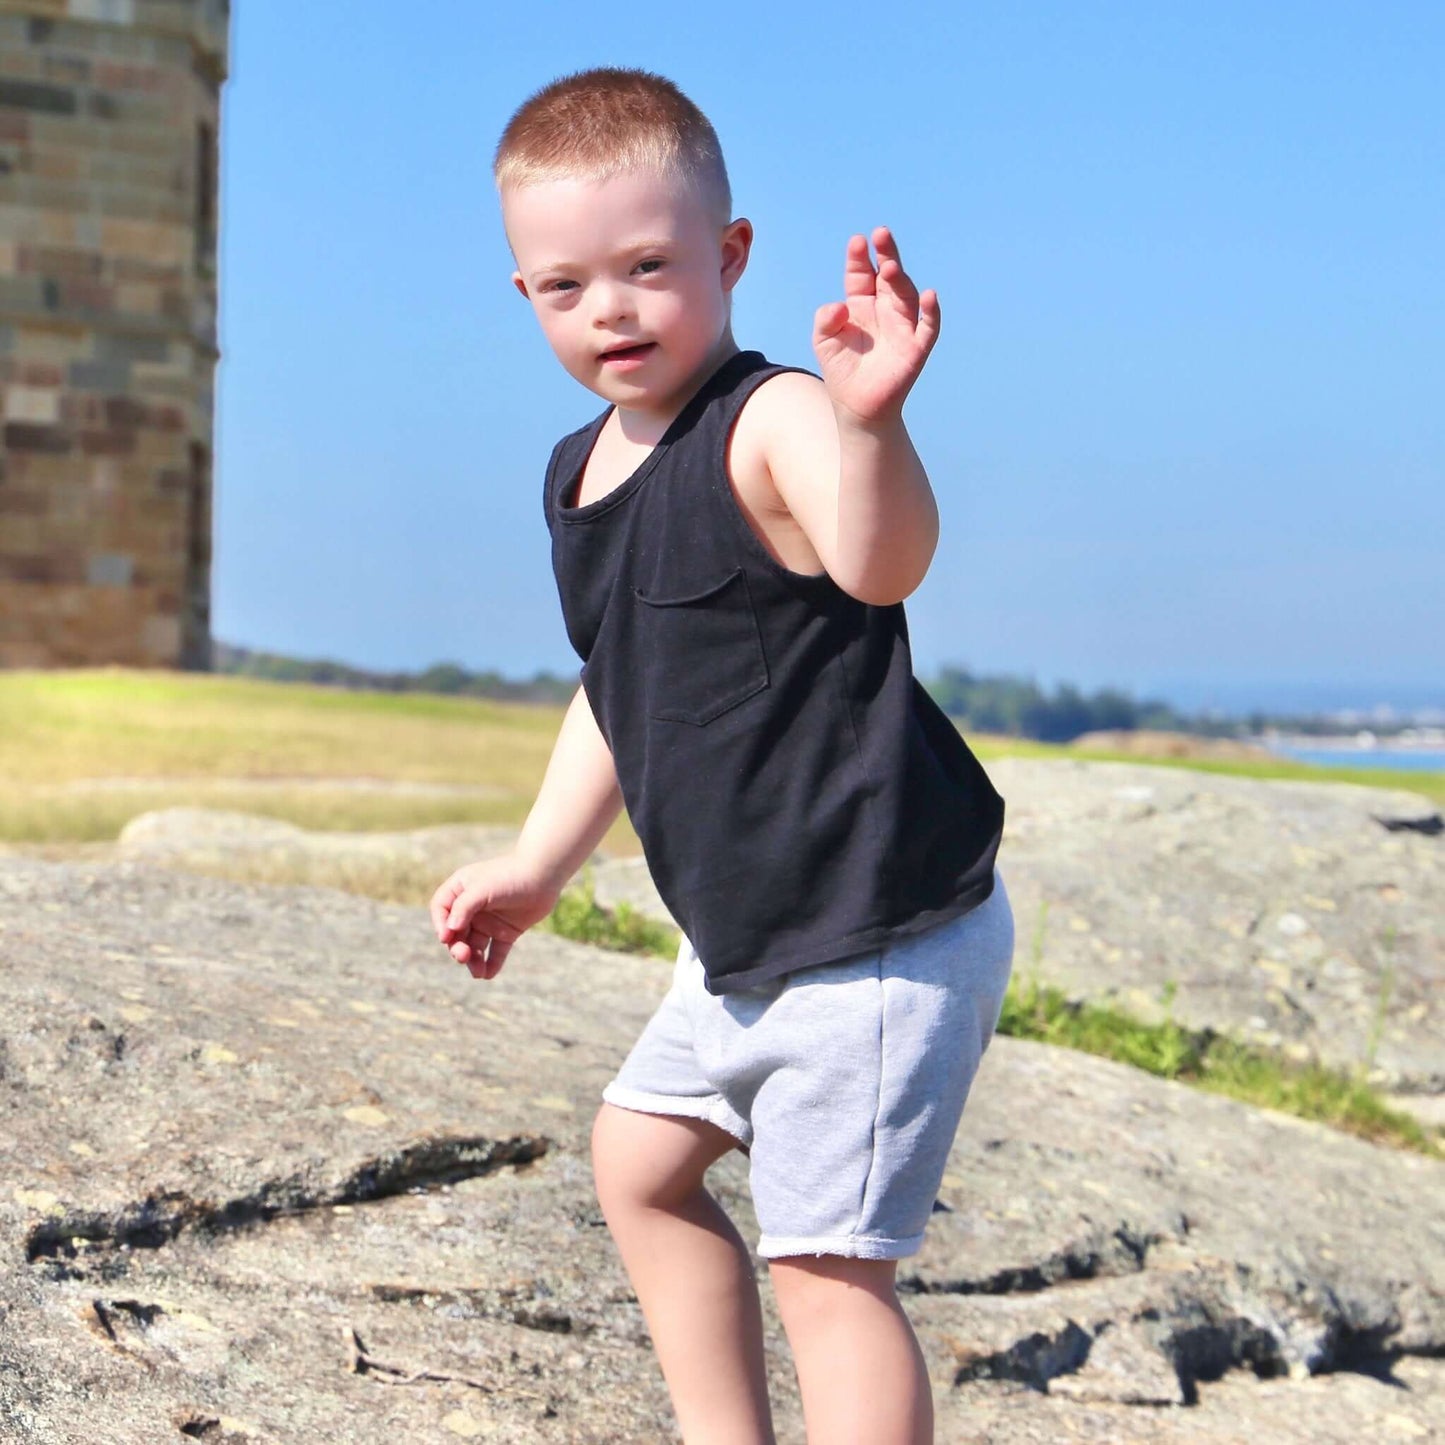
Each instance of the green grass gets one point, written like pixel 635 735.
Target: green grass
pixel 1212 1061
pixel 235 742
pixel 61 726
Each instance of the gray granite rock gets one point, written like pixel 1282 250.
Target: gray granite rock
pixel 276 1169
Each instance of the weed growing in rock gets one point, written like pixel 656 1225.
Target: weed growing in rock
pixel 1209 1060
pixel 623 929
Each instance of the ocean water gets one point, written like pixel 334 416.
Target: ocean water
pixel 1407 760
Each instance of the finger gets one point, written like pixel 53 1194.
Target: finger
pixel 829 320
pixel 897 291
pixel 885 244
pixel 441 904
pixel 492 925
pixel 465 903
pixel 893 279
pixel 486 963
pixel 930 319
pixel 496 957
pixel 859 277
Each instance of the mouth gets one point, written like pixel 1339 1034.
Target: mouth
pixel 635 352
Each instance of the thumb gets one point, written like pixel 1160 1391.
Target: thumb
pixel 829 320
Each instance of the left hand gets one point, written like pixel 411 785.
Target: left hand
pixel 872 346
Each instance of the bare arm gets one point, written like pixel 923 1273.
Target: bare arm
pixel 838 452
pixel 578 801
pixel 483 908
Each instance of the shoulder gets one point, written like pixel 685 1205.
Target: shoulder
pixel 783 413
pixel 581 437
pixel 567 459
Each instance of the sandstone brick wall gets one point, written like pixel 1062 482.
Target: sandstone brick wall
pixel 108 184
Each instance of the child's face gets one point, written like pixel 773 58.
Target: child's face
pixel 630 279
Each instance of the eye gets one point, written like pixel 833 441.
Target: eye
pixel 560 285
pixel 652 264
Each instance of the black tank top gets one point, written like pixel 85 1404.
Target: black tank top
pixel 800 798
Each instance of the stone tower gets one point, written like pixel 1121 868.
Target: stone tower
pixel 108 178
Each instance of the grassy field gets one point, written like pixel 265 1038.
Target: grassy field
pixel 83 752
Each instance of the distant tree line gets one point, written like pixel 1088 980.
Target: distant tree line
pixel 1019 708
pixel 441 677
pixel 1012 706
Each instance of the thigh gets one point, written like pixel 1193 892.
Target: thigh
pixel 663 1073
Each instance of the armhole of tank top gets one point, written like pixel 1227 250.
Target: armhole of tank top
pixel 574 448
pixel 815 584
pixel 549 483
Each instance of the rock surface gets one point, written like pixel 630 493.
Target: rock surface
pixel 1283 913
pixel 275 1170
pixel 394 865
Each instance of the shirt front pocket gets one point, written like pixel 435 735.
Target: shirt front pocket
pixel 701 654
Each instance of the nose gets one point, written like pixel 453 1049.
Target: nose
pixel 610 303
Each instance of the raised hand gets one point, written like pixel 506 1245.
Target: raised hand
pixel 871 346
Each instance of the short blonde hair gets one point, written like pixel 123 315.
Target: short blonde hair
pixel 599 123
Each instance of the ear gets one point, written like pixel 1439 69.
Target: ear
pixel 737 244
pixel 520 284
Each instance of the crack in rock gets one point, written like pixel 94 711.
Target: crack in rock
pixel 1218 1322
pixel 1034 1360
pixel 162 1215
pixel 496 1304
pixel 1122 1250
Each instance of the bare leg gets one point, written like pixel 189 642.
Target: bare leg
pixel 860 1370
pixel 691 1270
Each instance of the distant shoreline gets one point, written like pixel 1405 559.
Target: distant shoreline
pixel 1349 742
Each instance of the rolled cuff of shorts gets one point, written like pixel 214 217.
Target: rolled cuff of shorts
pixel 711 1111
pixel 850 1246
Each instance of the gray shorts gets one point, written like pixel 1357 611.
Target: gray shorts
pixel 845 1081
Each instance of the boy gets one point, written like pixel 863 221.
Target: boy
pixel 732 542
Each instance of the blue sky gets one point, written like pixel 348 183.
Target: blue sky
pixel 1185 421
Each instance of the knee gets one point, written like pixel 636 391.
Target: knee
pixel 610 1171
pixel 632 1167
pixel 826 1286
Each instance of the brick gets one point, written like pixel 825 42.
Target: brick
pixel 109 569
pixel 116 12
pixel 125 411
pixel 121 348
pixel 102 105
pixel 107 443
pixel 23 437
pixel 39 373
pixel 61 261
pixel 28 569
pixel 65 69
pixel 99 375
pixel 38 405
pixel 34 95
pixel 20 502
